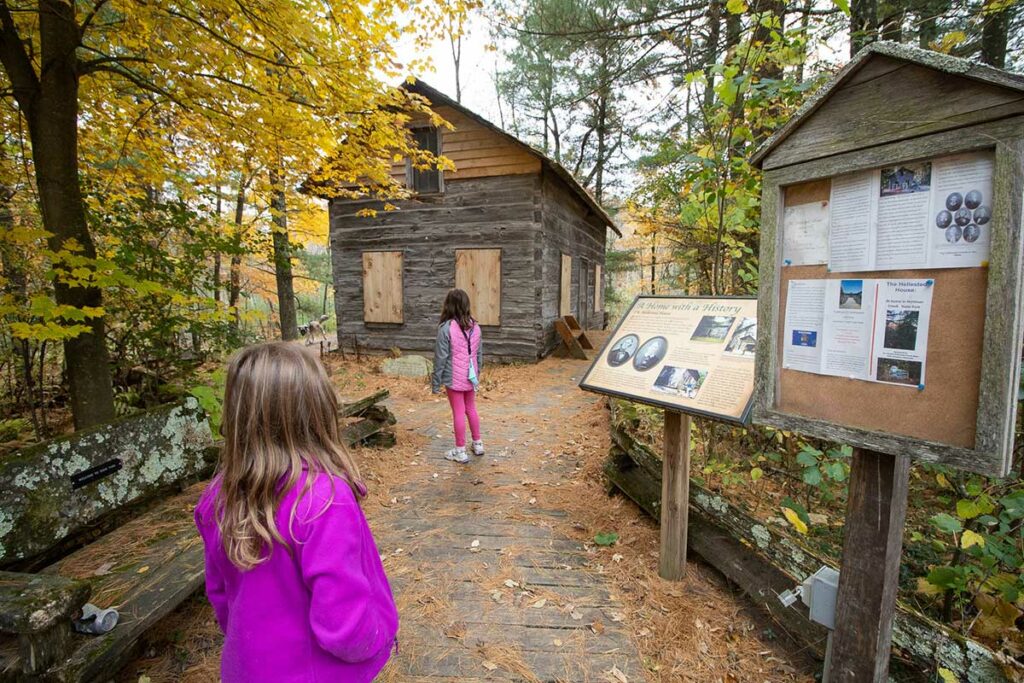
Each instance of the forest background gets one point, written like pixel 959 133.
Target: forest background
pixel 154 215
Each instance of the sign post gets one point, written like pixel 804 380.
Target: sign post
pixel 675 496
pixel 691 356
pixel 872 545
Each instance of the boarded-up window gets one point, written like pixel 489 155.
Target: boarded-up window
pixel 478 272
pixel 427 180
pixel 565 298
pixel 382 286
pixel 598 289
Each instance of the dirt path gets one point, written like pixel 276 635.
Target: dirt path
pixel 494 564
pixel 487 586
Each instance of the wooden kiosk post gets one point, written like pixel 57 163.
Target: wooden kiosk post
pixel 691 356
pixel 890 297
pixel 675 496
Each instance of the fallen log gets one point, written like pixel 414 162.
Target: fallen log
pixel 356 408
pixel 762 560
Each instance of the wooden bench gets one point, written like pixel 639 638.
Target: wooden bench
pixel 574 338
pixel 69 499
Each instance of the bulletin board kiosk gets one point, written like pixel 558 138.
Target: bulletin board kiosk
pixel 691 356
pixel 890 297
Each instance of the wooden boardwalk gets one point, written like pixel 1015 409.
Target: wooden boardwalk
pixel 487 590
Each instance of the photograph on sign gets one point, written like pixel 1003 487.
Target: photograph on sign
pixel 690 354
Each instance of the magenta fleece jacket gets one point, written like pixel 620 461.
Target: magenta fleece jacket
pixel 323 612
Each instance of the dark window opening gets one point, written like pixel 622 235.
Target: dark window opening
pixel 425 181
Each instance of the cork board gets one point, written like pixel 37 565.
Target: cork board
pixel 945 411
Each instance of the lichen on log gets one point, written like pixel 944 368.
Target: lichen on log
pixel 49 497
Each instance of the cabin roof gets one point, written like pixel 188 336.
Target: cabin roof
pixel 955 66
pixel 437 97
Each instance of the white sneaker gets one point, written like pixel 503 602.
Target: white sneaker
pixel 478 448
pixel 458 455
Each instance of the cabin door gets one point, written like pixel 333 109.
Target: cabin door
pixel 582 308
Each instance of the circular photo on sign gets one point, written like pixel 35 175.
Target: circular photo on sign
pixel 982 215
pixel 650 354
pixel 971 233
pixel 954 201
pixel 623 350
pixel 944 219
pixel 954 233
pixel 972 200
pixel 962 217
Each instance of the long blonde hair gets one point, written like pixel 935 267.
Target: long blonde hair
pixel 280 416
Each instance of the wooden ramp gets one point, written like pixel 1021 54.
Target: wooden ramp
pixel 486 589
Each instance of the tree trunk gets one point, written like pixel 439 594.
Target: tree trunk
pixel 762 34
pixel 927 13
pixel 52 115
pixel 235 269
pixel 891 23
pixel 863 24
pixel 603 95
pixel 283 260
pixel 456 44
pixel 994 35
pixel 16 287
pixel 711 53
pixel 216 254
pixel 654 258
pixel 805 22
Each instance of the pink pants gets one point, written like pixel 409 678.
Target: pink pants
pixel 463 405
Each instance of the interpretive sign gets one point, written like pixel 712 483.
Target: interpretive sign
pixel 693 355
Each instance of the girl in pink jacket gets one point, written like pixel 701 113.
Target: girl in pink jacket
pixel 292 570
pixel 458 356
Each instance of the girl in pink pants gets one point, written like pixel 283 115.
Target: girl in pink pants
pixel 458 356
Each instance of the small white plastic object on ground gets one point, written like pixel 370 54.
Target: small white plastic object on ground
pixel 96 621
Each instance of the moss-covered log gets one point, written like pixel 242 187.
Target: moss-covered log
pixel 55 489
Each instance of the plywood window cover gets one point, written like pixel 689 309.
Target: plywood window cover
pixel 396 316
pixel 991 453
pixel 565 286
pixel 486 315
pixel 440 173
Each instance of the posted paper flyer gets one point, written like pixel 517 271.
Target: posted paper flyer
pixel 852 207
pixel 929 214
pixel 873 330
pixel 849 309
pixel 901 339
pixel 805 234
pixel 805 318
pixel 961 211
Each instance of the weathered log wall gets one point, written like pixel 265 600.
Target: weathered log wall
pixel 568 229
pixel 484 213
pixel 764 561
pixel 533 219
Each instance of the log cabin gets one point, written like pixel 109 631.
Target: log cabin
pixel 509 225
